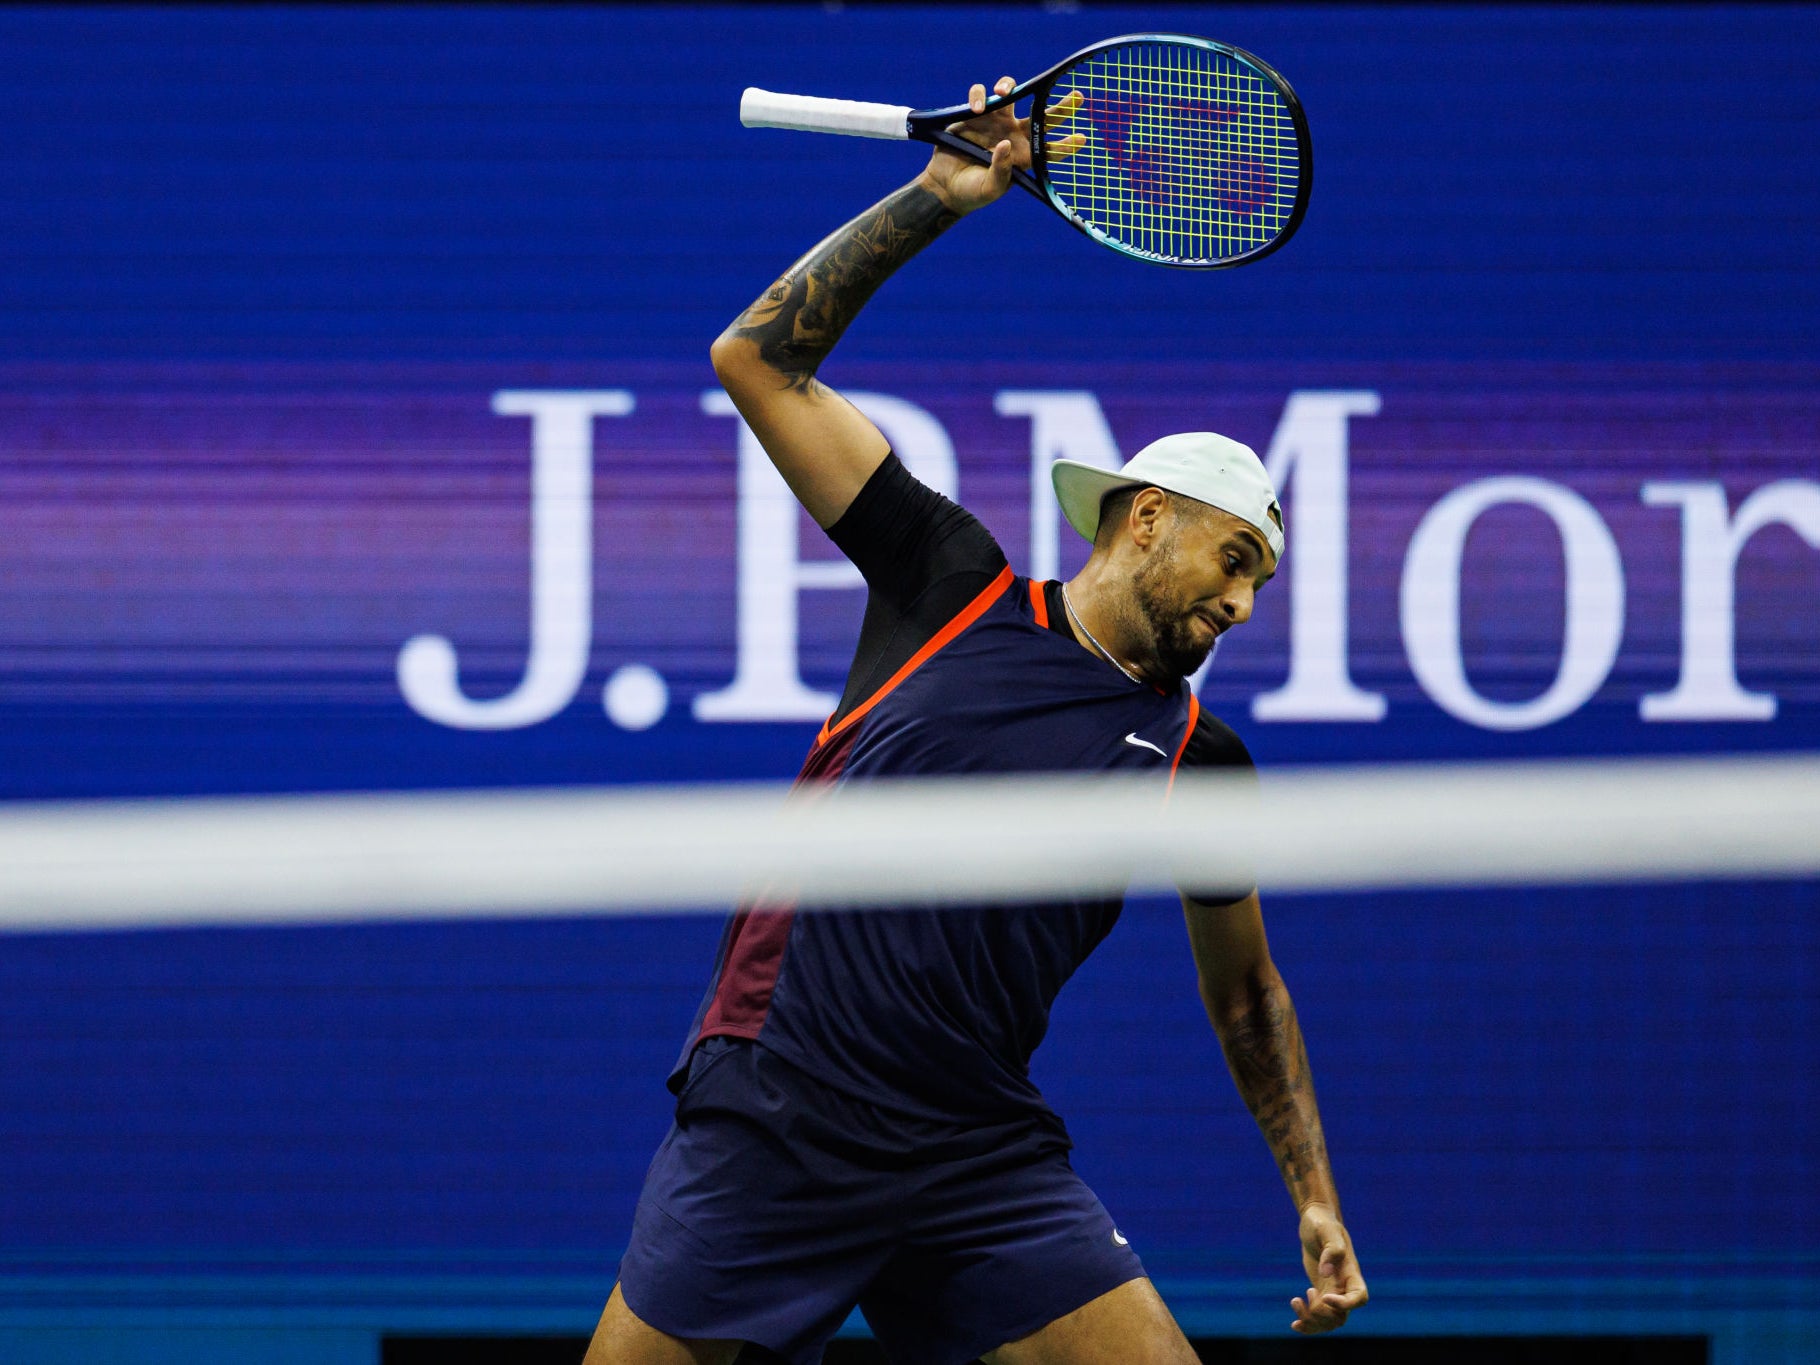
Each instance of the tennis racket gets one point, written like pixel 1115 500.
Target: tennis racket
pixel 1164 147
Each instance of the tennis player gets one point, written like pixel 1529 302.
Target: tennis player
pixel 855 1121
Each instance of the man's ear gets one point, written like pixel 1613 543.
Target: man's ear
pixel 1146 516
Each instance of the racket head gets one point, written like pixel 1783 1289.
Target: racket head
pixel 1188 152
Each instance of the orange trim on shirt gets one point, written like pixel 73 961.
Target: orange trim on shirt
pixel 1039 602
pixel 964 618
pixel 1194 719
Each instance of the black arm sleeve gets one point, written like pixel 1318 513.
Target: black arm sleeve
pixel 1216 745
pixel 923 558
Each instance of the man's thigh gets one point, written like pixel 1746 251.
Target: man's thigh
pixel 740 1236
pixel 622 1338
pixel 999 1246
pixel 1129 1325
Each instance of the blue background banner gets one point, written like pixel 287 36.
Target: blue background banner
pixel 300 309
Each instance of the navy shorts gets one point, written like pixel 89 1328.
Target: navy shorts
pixel 775 1205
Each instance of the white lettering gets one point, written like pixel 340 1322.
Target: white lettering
pixel 1066 424
pixel 562 572
pixel 1711 540
pixel 767 679
pixel 1431 602
pixel 1308 461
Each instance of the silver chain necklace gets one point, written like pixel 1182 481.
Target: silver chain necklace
pixel 1105 653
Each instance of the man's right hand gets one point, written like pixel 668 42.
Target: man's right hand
pixel 963 184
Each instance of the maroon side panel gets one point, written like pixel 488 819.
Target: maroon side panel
pixel 759 934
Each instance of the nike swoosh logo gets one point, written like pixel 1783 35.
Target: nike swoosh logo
pixel 1143 743
pixel 1119 1239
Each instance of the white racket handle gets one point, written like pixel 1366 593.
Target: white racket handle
pixel 806 113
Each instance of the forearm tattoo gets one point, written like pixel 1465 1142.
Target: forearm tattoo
pixel 1263 1045
pixel 797 320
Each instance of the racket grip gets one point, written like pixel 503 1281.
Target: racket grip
pixel 806 113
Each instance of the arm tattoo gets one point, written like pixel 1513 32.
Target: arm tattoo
pixel 798 319
pixel 1263 1045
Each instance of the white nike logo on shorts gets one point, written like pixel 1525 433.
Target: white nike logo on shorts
pixel 1142 743
pixel 1119 1240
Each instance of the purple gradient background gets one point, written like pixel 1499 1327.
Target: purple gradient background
pixel 271 535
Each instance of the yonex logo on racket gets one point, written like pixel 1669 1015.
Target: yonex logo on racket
pixel 1154 141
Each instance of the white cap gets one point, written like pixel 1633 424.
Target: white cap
pixel 1212 469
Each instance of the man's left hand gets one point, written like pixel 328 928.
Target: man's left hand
pixel 1336 1287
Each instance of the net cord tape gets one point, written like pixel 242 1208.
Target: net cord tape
pixel 304 859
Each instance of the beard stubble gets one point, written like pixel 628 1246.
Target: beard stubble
pixel 1169 618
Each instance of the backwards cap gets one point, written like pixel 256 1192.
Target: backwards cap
pixel 1209 468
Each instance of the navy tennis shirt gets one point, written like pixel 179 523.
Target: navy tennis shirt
pixel 962 667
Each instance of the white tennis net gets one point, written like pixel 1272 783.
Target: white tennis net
pixel 301 859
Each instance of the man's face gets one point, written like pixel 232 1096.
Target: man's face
pixel 1201 580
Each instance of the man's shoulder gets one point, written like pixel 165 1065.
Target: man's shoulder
pixel 894 499
pixel 905 536
pixel 1215 744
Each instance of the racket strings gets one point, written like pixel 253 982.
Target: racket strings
pixel 1173 152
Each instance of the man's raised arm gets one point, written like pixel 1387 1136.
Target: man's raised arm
pixel 824 447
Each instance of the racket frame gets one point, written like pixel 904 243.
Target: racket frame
pixel 931 125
